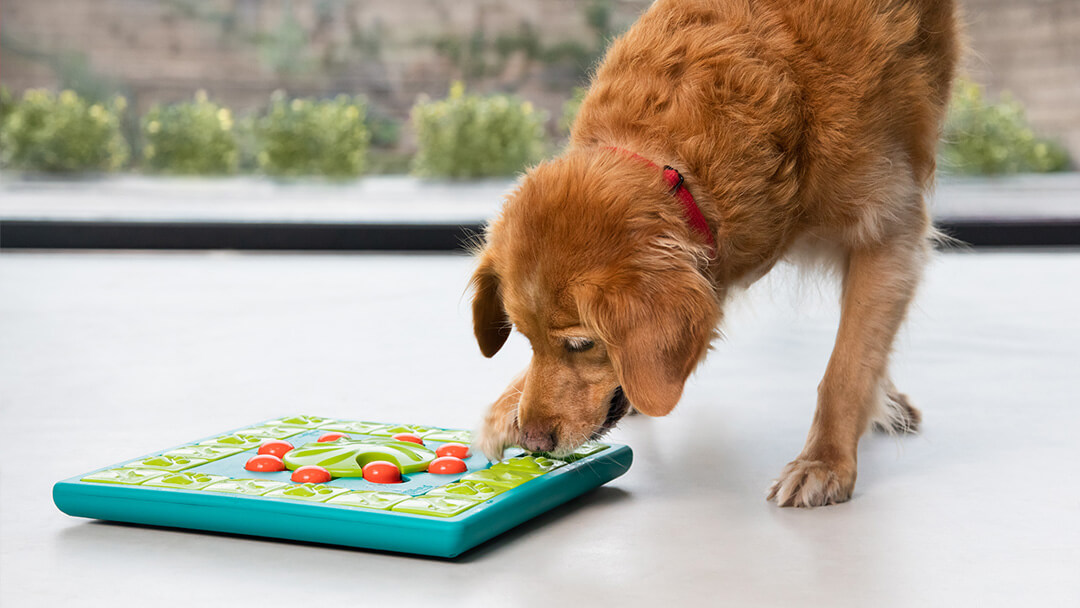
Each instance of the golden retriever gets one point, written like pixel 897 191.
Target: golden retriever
pixel 794 125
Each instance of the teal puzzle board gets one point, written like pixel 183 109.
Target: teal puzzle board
pixel 204 485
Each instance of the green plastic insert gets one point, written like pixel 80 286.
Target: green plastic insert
pixel 315 492
pixel 401 428
pixel 468 490
pixel 236 440
pixel 184 481
pixel 502 476
pixel 533 464
pixel 272 431
pixel 206 452
pixel 368 500
pixel 347 457
pixel 586 449
pixel 437 506
pixel 251 487
pixel 166 463
pixel 448 436
pixel 357 428
pixel 127 477
pixel 308 422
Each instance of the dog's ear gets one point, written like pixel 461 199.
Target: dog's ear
pixel 656 337
pixel 491 325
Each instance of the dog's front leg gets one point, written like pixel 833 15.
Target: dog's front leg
pixel 500 427
pixel 879 282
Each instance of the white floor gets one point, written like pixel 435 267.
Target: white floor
pixel 107 356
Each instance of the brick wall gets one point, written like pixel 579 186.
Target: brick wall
pixel 1030 48
pixel 241 50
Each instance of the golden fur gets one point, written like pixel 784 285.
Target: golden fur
pixel 798 124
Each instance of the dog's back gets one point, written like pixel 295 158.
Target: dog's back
pixel 787 112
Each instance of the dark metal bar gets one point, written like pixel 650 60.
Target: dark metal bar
pixel 42 234
pixel 79 234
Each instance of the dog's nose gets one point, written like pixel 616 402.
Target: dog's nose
pixel 538 441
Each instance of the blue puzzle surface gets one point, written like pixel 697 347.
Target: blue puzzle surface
pixel 204 485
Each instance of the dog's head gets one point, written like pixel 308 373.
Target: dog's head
pixel 593 262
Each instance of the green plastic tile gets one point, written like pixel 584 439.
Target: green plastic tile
pixel 502 476
pixel 307 422
pixel 468 490
pixel 166 463
pixel 127 477
pixel 236 440
pixel 533 464
pixel 314 492
pixel 347 457
pixel 587 449
pixel 435 506
pixel 184 481
pixel 357 428
pixel 448 436
pixel 251 487
pixel 390 430
pixel 368 500
pixel 272 431
pixel 208 453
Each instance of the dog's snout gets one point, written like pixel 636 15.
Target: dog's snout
pixel 537 440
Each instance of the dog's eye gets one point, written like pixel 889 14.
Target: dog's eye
pixel 578 345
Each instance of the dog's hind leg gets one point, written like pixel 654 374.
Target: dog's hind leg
pixel 879 282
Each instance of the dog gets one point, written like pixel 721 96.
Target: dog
pixel 718 138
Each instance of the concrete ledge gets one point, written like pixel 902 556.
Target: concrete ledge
pixel 294 236
pixel 400 213
pixel 406 200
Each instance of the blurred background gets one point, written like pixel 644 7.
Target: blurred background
pixel 208 87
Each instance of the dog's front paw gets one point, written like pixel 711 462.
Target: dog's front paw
pixel 500 427
pixel 495 435
pixel 813 483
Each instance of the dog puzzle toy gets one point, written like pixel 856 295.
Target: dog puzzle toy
pixel 405 488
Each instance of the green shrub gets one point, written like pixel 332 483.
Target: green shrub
pixel 7 104
pixel 987 138
pixel 63 133
pixel 466 136
pixel 190 138
pixel 385 131
pixel 308 137
pixel 381 161
pixel 244 130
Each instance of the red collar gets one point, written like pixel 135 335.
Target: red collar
pixel 693 213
